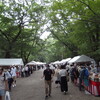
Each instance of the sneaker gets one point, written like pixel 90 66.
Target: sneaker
pixel 65 92
pixel 46 96
pixel 86 92
pixel 13 85
pixel 49 95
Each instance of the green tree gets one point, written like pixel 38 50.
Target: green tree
pixel 76 24
pixel 19 28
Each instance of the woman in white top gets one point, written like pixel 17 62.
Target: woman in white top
pixel 63 74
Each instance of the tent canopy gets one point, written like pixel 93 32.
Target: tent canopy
pixel 74 59
pixel 35 63
pixel 11 61
pixel 79 59
pixel 65 60
pixel 56 62
pixel 31 63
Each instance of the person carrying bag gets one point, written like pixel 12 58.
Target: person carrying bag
pixel 3 83
pixel 64 79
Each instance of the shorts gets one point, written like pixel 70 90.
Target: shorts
pixel 86 82
pixel 2 92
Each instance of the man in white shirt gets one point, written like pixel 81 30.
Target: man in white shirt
pixel 26 71
pixel 13 72
pixel 22 72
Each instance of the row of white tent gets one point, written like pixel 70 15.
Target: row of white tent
pixel 62 61
pixel 35 63
pixel 76 59
pixel 11 62
pixel 19 61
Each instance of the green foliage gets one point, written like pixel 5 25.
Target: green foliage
pixel 74 27
pixel 19 28
pixel 76 24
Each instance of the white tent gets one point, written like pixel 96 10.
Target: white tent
pixel 39 63
pixel 35 63
pixel 56 62
pixel 11 61
pixel 73 59
pixel 31 63
pixel 65 60
pixel 82 58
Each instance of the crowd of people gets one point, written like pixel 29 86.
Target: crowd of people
pixel 78 74
pixel 62 78
pixel 8 77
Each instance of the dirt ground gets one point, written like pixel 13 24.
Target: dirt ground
pixel 32 88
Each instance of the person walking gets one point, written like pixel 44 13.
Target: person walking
pixel 13 72
pixel 86 79
pixel 26 71
pixel 64 82
pixel 48 74
pixel 72 73
pixel 23 72
pixel 10 79
pixel 57 82
pixel 81 76
pixel 3 84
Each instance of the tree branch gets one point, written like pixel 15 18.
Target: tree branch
pixel 18 34
pixel 88 7
pixel 4 34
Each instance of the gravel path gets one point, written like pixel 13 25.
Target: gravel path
pixel 32 88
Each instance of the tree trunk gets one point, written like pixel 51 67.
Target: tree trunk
pixel 7 54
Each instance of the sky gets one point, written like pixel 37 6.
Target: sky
pixel 45 35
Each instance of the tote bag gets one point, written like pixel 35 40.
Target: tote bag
pixel 7 95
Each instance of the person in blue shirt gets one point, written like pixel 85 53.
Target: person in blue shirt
pixel 86 79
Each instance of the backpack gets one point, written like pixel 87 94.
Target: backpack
pixel 82 74
pixel 72 72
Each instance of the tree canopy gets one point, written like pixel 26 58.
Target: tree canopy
pixel 74 27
